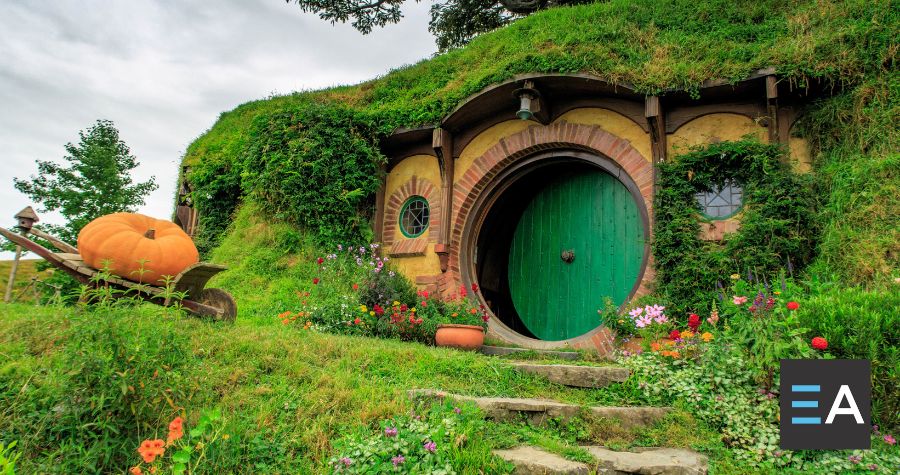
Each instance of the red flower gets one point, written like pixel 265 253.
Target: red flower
pixel 404 307
pixel 675 335
pixel 462 291
pixel 316 281
pixel 357 321
pixel 819 343
pixel 475 288
pixel 320 261
pixel 793 305
pixel 378 310
pixel 694 322
pixel 485 317
pixel 355 286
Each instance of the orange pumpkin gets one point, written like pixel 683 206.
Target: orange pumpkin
pixel 127 240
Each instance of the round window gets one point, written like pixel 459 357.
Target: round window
pixel 414 217
pixel 721 203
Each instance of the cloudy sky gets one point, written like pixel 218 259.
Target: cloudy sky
pixel 163 71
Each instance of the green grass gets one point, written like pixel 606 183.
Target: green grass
pixel 79 390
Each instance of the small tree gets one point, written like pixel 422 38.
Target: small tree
pixel 96 181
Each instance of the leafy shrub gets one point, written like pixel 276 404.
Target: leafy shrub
pixel 426 441
pixel 862 324
pixel 720 387
pixel 312 164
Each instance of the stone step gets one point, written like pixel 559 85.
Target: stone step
pixel 650 461
pixel 539 410
pixel 577 376
pixel 642 461
pixel 534 461
pixel 506 350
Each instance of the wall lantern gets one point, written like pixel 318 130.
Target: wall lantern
pixel 529 101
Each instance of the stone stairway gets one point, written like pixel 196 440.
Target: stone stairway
pixel 537 461
pixel 643 461
pixel 537 411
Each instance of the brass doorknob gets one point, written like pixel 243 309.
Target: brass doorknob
pixel 568 256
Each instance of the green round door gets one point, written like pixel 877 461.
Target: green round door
pixel 579 241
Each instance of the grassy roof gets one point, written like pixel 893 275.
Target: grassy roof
pixel 653 45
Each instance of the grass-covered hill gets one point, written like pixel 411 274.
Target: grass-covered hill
pixel 311 158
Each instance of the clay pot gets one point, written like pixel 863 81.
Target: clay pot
pixel 464 337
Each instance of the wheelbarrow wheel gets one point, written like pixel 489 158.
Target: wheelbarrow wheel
pixel 221 300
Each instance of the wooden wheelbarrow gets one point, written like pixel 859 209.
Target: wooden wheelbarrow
pixel 215 303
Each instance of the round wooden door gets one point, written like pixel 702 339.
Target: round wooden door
pixel 579 241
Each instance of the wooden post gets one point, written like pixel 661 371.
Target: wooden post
pixel 27 217
pixel 12 275
pixel 442 142
pixel 656 122
pixel 772 107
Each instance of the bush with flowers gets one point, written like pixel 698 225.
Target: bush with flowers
pixel 762 322
pixel 424 441
pixel 355 291
pixel 185 454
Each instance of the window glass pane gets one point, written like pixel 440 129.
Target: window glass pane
pixel 721 203
pixel 414 216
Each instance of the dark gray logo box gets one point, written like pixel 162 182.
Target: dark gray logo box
pixel 808 391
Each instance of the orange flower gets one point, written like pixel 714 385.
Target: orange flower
pixel 150 449
pixel 136 471
pixel 654 346
pixel 284 315
pixel 285 321
pixel 176 431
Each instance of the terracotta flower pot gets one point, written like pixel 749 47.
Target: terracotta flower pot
pixel 464 337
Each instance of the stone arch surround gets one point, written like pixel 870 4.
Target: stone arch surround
pixel 519 146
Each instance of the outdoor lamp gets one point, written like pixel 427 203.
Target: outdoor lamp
pixel 527 95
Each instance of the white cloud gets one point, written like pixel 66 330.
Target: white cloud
pixel 163 71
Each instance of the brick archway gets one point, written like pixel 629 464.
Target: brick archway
pixel 532 141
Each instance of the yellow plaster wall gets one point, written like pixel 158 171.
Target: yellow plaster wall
pixel 485 140
pixel 712 128
pixel 424 167
pixel 614 123
pixel 801 158
pixel 411 267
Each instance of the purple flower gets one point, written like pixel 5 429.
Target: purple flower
pixel 347 461
pixel 855 458
pixel 430 446
pixel 398 460
pixel 456 410
pixel 390 431
pixel 873 467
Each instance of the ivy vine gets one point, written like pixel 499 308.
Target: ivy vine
pixel 777 221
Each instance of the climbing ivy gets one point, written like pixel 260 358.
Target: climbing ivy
pixel 777 221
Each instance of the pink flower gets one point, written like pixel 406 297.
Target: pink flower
pixel 889 439
pixel 457 410
pixel 430 446
pixel 390 431
pixel 739 300
pixel 398 460
pixel 636 313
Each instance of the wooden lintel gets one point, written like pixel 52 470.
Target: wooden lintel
pixel 378 222
pixel 771 87
pixel 656 125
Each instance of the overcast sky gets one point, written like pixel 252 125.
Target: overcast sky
pixel 163 71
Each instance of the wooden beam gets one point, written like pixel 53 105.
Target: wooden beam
pixel 442 142
pixel 656 125
pixel 378 222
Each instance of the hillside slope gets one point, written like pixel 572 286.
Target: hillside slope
pixel 651 45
